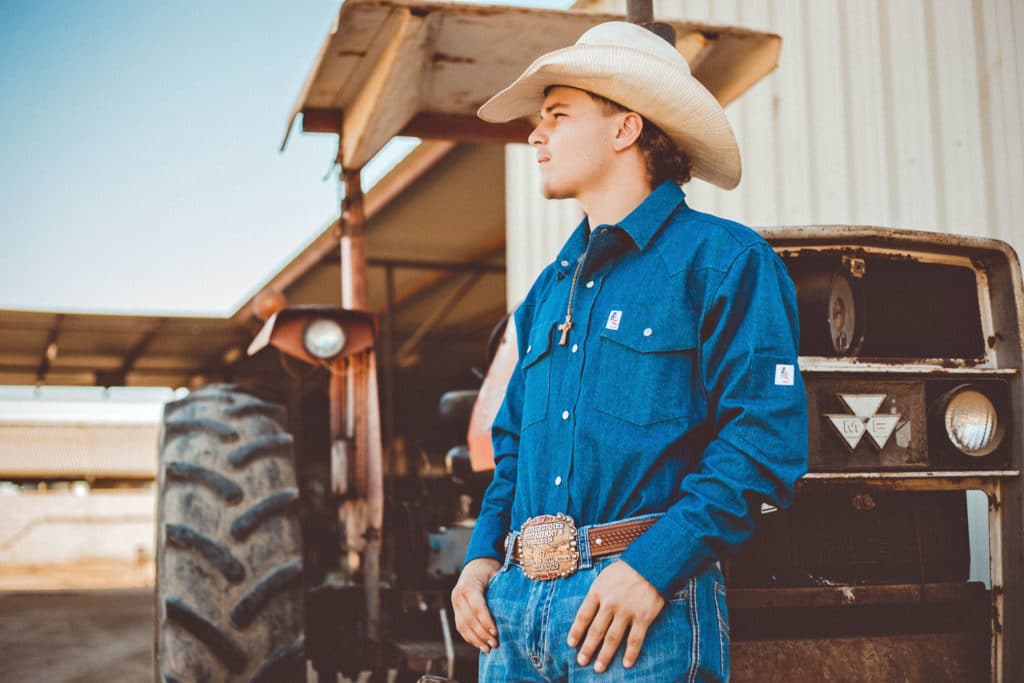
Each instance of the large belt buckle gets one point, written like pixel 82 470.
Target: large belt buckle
pixel 547 547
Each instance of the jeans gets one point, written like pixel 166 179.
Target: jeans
pixel 688 641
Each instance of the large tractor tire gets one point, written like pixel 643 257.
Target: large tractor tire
pixel 229 551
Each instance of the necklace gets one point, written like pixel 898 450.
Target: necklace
pixel 567 324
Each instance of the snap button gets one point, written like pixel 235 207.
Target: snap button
pixel 590 284
pixel 575 348
pixel 598 541
pixel 648 332
pixel 565 414
pixel 558 481
pixel 565 263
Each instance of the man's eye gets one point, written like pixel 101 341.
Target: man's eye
pixel 558 114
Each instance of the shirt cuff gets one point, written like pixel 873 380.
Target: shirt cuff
pixel 488 539
pixel 667 555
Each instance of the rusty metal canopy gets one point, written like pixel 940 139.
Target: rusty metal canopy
pixel 433 236
pixel 394 67
pixel 114 350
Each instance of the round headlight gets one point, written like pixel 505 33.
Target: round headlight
pixel 831 307
pixel 324 338
pixel 842 315
pixel 972 423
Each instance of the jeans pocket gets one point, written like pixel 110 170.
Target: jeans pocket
pixel 536 365
pixel 685 592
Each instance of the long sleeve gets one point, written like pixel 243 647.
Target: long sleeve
pixel 757 413
pixel 495 510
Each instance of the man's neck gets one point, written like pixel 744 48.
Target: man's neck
pixel 614 198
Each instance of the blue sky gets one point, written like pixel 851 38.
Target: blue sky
pixel 139 159
pixel 139 166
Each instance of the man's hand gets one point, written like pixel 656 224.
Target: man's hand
pixel 620 599
pixel 472 618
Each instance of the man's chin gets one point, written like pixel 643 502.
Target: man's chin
pixel 551 191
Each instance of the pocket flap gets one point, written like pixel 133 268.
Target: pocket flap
pixel 655 334
pixel 539 343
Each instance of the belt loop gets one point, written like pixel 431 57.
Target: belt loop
pixel 583 543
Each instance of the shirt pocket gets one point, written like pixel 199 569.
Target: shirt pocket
pixel 536 366
pixel 647 370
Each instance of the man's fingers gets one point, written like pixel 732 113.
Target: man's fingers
pixel 483 622
pixel 473 620
pixel 584 616
pixel 476 635
pixel 637 633
pixel 595 634
pixel 611 644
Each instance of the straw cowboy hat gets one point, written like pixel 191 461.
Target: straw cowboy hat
pixel 634 67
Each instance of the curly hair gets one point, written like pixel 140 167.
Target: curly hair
pixel 664 160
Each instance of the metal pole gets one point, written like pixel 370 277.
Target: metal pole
pixel 353 245
pixel 387 356
pixel 641 12
pixel 363 409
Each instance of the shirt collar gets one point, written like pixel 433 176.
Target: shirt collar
pixel 641 224
pixel 646 220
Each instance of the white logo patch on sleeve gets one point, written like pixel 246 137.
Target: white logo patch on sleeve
pixel 784 375
pixel 614 318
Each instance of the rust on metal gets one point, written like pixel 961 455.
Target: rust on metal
pixel 315 120
pixel 465 129
pixel 451 59
pixel 284 329
pixel 986 481
pixel 354 295
pixel 932 657
pixel 845 596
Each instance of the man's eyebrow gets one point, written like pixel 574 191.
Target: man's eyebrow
pixel 551 107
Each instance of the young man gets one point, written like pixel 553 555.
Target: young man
pixel 657 402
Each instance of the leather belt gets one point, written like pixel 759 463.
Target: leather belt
pixel 547 546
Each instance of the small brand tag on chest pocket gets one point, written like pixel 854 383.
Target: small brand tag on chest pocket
pixel 614 319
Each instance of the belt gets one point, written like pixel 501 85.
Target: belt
pixel 547 546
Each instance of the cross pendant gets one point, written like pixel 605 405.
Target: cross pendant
pixel 565 327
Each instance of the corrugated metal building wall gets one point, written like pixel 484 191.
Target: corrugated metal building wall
pixel 904 114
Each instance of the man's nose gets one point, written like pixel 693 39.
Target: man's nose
pixel 537 136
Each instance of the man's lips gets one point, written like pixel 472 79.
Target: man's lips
pixel 543 158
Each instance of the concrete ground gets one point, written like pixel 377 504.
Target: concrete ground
pixel 76 636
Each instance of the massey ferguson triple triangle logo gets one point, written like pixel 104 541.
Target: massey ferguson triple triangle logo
pixel 864 420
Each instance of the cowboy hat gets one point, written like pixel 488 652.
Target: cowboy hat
pixel 632 66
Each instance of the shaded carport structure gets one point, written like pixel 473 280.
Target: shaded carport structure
pixel 435 225
pixel 440 256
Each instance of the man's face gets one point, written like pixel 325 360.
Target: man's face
pixel 573 142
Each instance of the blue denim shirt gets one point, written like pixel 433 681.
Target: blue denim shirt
pixel 678 390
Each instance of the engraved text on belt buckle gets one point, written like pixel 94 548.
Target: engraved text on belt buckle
pixel 547 547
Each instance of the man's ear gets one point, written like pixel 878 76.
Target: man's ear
pixel 628 131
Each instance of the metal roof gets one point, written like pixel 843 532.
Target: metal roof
pixel 394 67
pixel 112 350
